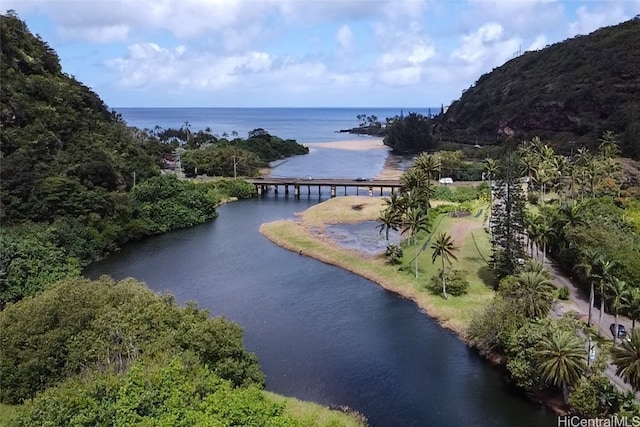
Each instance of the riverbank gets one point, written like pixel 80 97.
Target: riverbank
pixel 307 237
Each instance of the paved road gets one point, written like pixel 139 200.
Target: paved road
pixel 579 303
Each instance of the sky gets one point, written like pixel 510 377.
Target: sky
pixel 300 53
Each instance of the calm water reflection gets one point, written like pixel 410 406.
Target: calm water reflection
pixel 321 333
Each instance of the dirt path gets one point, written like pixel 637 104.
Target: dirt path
pixel 461 230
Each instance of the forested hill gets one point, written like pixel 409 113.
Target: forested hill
pixel 570 91
pixel 59 140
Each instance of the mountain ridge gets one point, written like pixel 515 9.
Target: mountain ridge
pixel 574 90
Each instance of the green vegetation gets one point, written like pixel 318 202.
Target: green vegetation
pixel 409 134
pixel 570 91
pixel 455 312
pixel 577 216
pixel 77 183
pixel 210 155
pixel 104 352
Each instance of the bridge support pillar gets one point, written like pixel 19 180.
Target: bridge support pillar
pixel 286 189
pixel 333 191
pixel 296 191
pixel 308 190
pixel 370 191
pixel 381 191
pixel 275 189
pixel 259 190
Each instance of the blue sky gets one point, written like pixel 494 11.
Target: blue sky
pixel 300 53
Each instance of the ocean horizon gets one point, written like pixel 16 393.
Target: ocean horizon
pixel 317 124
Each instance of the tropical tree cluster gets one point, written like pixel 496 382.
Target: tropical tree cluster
pixel 409 134
pixel 118 354
pixel 106 326
pixel 36 255
pixel 407 212
pixel 540 352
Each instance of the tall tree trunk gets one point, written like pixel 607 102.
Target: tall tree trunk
pixel 591 300
pixel 601 311
pixel 444 285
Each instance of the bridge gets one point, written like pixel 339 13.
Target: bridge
pixel 264 184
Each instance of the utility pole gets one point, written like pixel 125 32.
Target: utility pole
pixel 234 167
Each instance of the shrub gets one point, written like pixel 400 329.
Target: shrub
pixel 394 254
pixel 456 283
pixel 533 197
pixel 563 293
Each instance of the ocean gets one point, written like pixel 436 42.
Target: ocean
pixel 302 124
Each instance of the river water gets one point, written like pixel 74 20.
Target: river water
pixel 321 333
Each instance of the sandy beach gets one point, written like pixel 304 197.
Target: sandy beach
pixel 393 166
pixel 350 144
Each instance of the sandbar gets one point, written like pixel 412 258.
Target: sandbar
pixel 350 144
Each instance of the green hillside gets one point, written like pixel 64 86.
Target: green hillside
pixel 570 91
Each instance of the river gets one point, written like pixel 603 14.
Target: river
pixel 321 333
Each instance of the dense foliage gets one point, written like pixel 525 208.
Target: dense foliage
pixel 63 153
pixel 409 134
pixel 36 255
pixel 208 154
pixel 570 91
pixel 177 393
pixel 103 325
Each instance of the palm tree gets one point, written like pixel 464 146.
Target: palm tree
pixel 415 220
pixel 617 300
pixel 428 164
pixel 534 293
pixel 545 232
pixel 606 276
pixel 627 360
pixel 389 220
pixel 562 360
pixel 591 258
pixel 633 305
pixel 444 248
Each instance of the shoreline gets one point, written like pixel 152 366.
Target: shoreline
pixel 304 238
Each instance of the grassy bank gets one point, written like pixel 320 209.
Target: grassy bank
pixel 312 414
pixel 306 236
pixel 308 413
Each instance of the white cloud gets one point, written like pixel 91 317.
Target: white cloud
pixel 344 38
pixel 149 65
pixel 588 22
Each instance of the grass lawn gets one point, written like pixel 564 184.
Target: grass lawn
pixel 305 236
pixel 6 413
pixel 312 414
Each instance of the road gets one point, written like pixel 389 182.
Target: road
pixel 579 303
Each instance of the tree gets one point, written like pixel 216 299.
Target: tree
pixel 606 277
pixel 507 226
pixel 428 164
pixel 389 220
pixel 588 267
pixel 409 134
pixel 492 168
pixel 562 360
pixel 444 248
pixel 617 300
pixel 532 292
pixel 415 220
pixel 633 305
pixel 544 233
pixel 626 357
